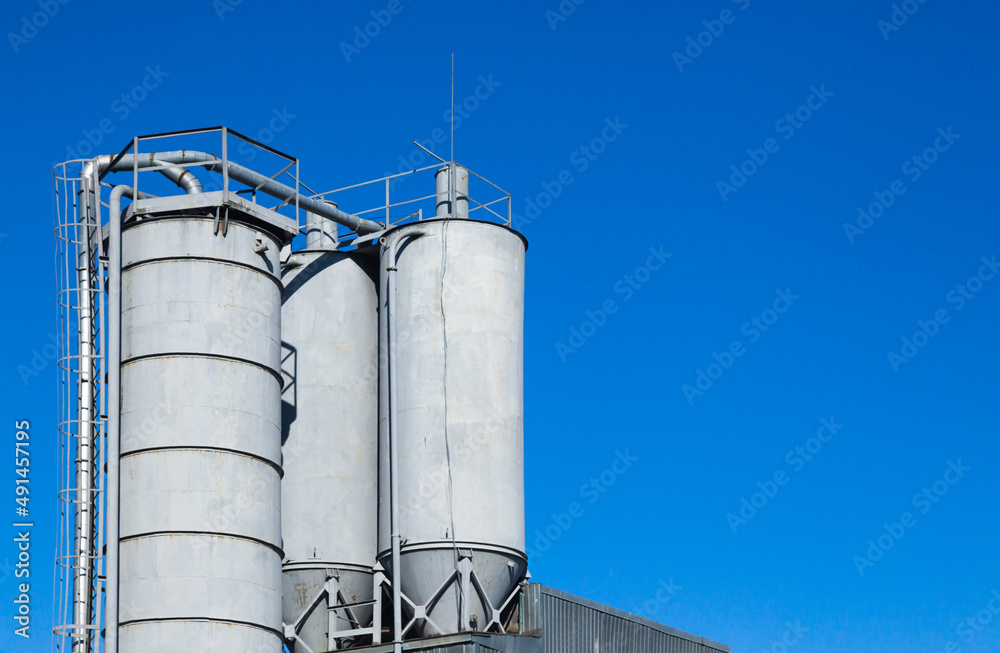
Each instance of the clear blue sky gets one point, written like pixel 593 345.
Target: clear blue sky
pixel 775 239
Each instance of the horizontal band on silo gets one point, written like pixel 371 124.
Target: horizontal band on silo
pixel 139 536
pixel 269 463
pixel 206 259
pixel 173 355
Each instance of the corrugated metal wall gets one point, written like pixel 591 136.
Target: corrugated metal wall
pixel 461 648
pixel 563 623
pixel 467 643
pixel 570 624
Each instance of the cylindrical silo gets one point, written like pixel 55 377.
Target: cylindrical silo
pixel 200 537
pixel 458 366
pixel 329 494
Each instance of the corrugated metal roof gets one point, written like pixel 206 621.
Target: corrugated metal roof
pixel 571 624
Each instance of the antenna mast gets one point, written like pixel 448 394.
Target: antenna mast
pixel 453 108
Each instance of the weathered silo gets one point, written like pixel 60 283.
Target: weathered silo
pixel 451 379
pixel 205 403
pixel 200 529
pixel 329 493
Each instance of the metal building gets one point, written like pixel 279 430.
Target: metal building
pixel 289 425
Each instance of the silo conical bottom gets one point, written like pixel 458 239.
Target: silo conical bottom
pixel 425 568
pixel 300 587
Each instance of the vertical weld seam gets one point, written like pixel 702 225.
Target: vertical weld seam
pixel 447 443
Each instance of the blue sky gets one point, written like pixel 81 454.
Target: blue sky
pixel 665 242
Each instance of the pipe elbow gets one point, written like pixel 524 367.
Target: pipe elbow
pixel 180 176
pixel 190 183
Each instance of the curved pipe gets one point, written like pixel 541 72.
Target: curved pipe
pixel 180 176
pixel 243 175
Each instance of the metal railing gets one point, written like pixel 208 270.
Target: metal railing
pixel 226 136
pixel 389 214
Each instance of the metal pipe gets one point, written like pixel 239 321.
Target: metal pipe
pixel 245 176
pixel 114 411
pixel 84 497
pixel 182 177
pixel 397 607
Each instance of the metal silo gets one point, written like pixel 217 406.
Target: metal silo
pixel 329 493
pixel 451 341
pixel 252 487
pixel 200 514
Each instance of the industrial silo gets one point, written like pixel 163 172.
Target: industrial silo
pixel 329 493
pixel 200 525
pixel 451 354
pixel 255 483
